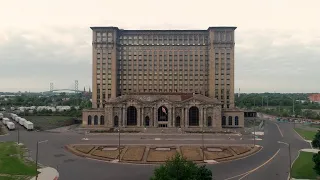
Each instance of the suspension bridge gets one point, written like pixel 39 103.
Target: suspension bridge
pixel 74 89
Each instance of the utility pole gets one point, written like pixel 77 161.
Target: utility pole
pixel 202 145
pixel 119 143
pixel 38 142
pixel 254 132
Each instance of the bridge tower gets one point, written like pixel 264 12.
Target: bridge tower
pixel 51 87
pixel 76 85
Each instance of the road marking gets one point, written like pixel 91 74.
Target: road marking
pixel 279 129
pixel 249 172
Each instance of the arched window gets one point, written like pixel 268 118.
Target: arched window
pixel 116 121
pixel 230 120
pixel 102 120
pixel 95 120
pixel 89 120
pixel 193 116
pixel 209 121
pixel 236 121
pixel 131 116
pixel 162 113
pixel 223 123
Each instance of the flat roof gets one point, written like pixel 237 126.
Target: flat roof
pixel 164 30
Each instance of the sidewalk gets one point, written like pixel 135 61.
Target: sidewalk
pixel 47 173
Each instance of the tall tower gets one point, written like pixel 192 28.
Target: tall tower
pixel 76 84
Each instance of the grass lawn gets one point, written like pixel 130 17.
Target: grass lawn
pixel 303 167
pixel 308 135
pixel 49 122
pixel 11 161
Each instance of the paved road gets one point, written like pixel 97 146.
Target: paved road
pixel 70 166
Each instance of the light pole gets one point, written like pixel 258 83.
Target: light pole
pixel 38 142
pixel 18 135
pixel 292 105
pixel 202 144
pixel 119 142
pixel 254 132
pixel 289 149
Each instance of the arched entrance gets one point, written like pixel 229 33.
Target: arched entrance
pixel 162 113
pixel 147 121
pixel 236 121
pixel 193 116
pixel 131 116
pixel 116 121
pixel 101 120
pixel 178 121
pixel 223 123
pixel 95 120
pixel 209 121
pixel 89 120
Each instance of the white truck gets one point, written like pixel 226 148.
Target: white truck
pixel 10 125
pixel 17 119
pixel 13 116
pixel 5 121
pixel 28 125
pixel 1 116
pixel 21 121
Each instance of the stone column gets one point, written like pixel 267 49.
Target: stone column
pixel 121 117
pixel 201 117
pixel 169 117
pixel 142 117
pixel 124 120
pixel 205 117
pixel 186 114
pixel 138 116
pixel 173 117
pixel 182 118
pixel 111 116
pixel 152 117
pixel 155 115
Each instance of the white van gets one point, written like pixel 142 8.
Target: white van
pixel 5 120
pixel 21 121
pixel 28 125
pixel 10 125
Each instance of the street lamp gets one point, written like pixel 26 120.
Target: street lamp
pixel 18 134
pixel 38 142
pixel 119 142
pixel 254 131
pixel 202 138
pixel 289 149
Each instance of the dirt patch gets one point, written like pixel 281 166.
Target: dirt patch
pixel 240 149
pixel 160 156
pixel 218 155
pixel 191 153
pixel 134 153
pixel 110 154
pixel 84 148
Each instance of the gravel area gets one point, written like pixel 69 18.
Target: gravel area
pixel 217 155
pixel 191 153
pixel 160 156
pixel 84 148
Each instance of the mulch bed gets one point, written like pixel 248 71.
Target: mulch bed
pixel 191 153
pixel 217 155
pixel 134 153
pixel 240 149
pixel 84 148
pixel 110 154
pixel 160 156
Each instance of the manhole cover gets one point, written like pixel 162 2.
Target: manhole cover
pixel 162 149
pixel 109 149
pixel 59 155
pixel 214 149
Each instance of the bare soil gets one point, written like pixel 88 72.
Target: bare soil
pixel 240 149
pixel 84 148
pixel 134 153
pixel 191 153
pixel 106 154
pixel 160 156
pixel 217 155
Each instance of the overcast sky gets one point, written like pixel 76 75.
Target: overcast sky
pixel 43 41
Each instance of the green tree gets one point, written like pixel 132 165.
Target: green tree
pixel 178 168
pixel 316 160
pixel 316 141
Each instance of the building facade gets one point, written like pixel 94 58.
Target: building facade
pixel 163 65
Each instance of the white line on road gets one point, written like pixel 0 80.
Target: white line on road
pixel 279 129
pixel 251 171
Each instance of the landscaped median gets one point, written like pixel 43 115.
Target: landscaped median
pixel 307 135
pixel 12 163
pixel 302 168
pixel 160 153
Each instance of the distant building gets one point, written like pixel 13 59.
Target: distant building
pixel 314 98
